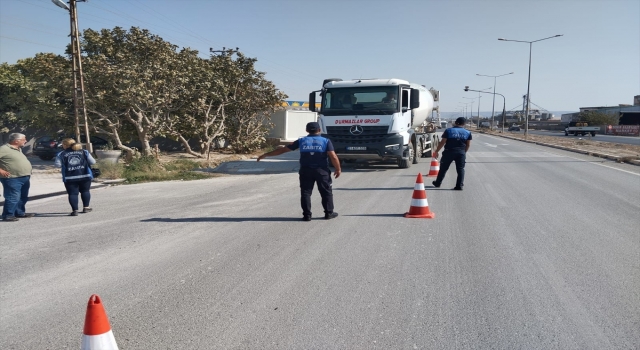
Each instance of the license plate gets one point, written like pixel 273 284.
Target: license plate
pixel 356 148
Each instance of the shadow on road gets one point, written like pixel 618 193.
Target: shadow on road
pixel 371 189
pixel 219 219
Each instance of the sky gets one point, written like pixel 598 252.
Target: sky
pixel 442 44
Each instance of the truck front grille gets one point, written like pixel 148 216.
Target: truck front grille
pixel 370 134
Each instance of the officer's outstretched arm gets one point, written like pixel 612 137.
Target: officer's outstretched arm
pixel 335 162
pixel 275 152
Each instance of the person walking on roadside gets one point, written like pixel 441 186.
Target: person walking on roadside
pixel 315 153
pixel 15 176
pixel 456 142
pixel 75 164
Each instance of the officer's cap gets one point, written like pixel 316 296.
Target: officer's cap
pixel 313 127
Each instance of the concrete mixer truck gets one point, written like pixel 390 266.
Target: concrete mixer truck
pixel 377 119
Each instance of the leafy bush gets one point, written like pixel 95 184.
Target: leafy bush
pixel 182 165
pixel 109 170
pixel 148 169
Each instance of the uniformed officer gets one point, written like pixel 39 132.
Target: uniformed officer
pixel 456 142
pixel 315 153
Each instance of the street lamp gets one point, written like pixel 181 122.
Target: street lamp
pixel 464 109
pixel 504 103
pixel 493 107
pixel 78 81
pixel 526 116
pixel 471 109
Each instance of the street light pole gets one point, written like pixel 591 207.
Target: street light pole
pixel 79 106
pixel 493 107
pixel 526 113
pixel 471 109
pixel 504 102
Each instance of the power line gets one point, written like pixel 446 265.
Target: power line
pixel 30 42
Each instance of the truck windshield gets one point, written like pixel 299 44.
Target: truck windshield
pixel 360 100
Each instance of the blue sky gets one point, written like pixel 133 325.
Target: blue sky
pixel 438 43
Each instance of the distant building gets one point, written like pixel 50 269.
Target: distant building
pixel 298 105
pixel 628 114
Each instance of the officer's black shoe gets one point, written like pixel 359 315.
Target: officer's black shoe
pixel 457 188
pixel 436 185
pixel 331 216
pixel 306 218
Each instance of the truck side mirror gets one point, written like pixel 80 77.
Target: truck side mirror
pixel 415 99
pixel 312 101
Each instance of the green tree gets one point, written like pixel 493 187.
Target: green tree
pixel 256 99
pixel 134 77
pixel 36 92
pixel 598 118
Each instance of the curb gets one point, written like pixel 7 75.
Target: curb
pixel 59 193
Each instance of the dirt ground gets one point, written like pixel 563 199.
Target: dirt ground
pixel 214 159
pixel 625 151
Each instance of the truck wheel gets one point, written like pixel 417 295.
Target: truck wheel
pixel 576 133
pixel 566 133
pixel 418 154
pixel 406 163
pixel 593 133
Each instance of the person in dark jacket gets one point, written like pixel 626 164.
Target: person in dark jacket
pixel 75 164
pixel 315 153
pixel 456 142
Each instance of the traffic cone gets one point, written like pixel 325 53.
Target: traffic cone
pixel 97 330
pixel 435 167
pixel 419 205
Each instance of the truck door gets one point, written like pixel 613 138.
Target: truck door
pixel 407 114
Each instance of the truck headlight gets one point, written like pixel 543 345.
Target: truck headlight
pixel 392 147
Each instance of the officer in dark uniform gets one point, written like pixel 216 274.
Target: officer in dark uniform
pixel 456 142
pixel 315 153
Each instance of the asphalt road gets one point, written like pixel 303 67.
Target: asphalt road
pixel 540 251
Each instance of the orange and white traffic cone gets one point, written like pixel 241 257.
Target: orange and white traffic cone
pixel 419 205
pixel 97 332
pixel 435 167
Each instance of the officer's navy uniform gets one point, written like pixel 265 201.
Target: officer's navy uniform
pixel 314 168
pixel 76 175
pixel 454 151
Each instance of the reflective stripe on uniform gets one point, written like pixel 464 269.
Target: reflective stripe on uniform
pixel 77 177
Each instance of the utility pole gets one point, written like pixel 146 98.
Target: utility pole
pixel 224 51
pixel 79 106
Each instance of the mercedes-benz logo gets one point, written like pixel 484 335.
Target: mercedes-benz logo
pixel 356 130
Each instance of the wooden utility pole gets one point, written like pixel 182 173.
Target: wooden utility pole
pixel 79 107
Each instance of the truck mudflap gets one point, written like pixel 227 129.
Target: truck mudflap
pixel 385 147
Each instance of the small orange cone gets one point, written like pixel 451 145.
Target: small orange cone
pixel 435 167
pixel 97 332
pixel 419 205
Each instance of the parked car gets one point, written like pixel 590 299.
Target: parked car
pixel 47 147
pixel 514 128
